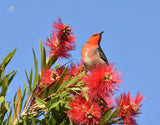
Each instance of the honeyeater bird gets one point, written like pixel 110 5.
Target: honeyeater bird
pixel 92 53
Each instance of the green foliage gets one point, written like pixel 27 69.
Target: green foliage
pixel 35 81
pixel 43 55
pixel 110 117
pixel 5 81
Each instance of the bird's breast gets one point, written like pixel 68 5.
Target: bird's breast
pixel 91 56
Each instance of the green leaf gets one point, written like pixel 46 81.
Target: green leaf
pixel 75 89
pixel 52 121
pixel 86 96
pixel 71 123
pixel 69 82
pixel 40 101
pixel 5 62
pixel 64 95
pixel 35 81
pixel 64 83
pixel 57 66
pixel 6 105
pixel 5 84
pixel 114 114
pixel 43 56
pixel 52 89
pixel 9 117
pixel 54 105
pixel 75 79
pixel 105 116
pixel 14 99
pixel 117 121
pixel 11 78
pixel 29 79
pixel 59 82
pixel 84 88
pixel 25 120
pixel 2 99
pixel 4 122
pixel 51 61
pixel 24 91
pixel 8 58
pixel 44 95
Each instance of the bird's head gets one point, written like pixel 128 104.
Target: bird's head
pixel 95 38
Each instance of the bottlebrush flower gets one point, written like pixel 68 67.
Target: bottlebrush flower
pixel 103 80
pixel 62 40
pixel 129 107
pixel 84 112
pixel 74 69
pixel 47 76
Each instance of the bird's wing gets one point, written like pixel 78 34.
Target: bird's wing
pixel 102 55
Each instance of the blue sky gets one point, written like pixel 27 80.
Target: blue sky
pixel 131 39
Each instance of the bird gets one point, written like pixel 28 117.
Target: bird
pixel 91 52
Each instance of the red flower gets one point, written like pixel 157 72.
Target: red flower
pixel 47 76
pixel 103 81
pixel 76 69
pixel 84 112
pixel 129 107
pixel 58 26
pixel 62 40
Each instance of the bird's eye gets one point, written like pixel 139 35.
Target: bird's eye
pixel 95 34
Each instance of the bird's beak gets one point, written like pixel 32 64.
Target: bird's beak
pixel 101 32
